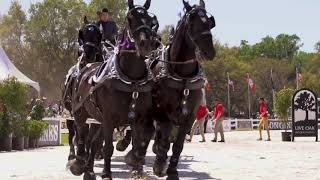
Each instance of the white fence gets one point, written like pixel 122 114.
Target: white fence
pixel 248 124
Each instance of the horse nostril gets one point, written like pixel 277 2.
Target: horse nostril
pixel 142 43
pixel 143 36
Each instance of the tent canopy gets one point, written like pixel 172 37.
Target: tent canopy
pixel 7 69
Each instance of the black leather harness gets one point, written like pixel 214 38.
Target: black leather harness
pixel 173 80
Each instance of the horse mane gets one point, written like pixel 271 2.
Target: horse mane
pixel 177 37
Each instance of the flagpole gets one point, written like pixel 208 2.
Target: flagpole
pixel 249 99
pixel 229 111
pixel 273 90
pixel 297 77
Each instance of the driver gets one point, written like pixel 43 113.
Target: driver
pixel 108 28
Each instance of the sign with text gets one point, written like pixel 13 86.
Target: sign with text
pixel 304 114
pixel 51 136
pixel 279 125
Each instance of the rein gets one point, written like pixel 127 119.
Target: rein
pixel 128 50
pixel 179 63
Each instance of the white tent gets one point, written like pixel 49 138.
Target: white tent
pixel 7 69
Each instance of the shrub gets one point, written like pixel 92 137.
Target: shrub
pixel 283 102
pixel 14 95
pixel 18 128
pixel 26 128
pixel 36 127
pixel 5 125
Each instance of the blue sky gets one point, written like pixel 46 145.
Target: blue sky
pixel 243 19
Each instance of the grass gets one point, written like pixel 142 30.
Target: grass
pixel 64 139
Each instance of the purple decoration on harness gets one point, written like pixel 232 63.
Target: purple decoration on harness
pixel 125 43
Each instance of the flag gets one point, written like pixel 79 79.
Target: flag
pixel 300 77
pixel 299 74
pixel 272 82
pixel 250 82
pixel 207 85
pixel 231 84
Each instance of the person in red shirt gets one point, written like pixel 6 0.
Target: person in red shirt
pixel 218 119
pixel 199 122
pixel 263 119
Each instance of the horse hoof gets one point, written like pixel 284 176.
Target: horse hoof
pixel 138 174
pixel 106 177
pixel 130 160
pixel 89 176
pixel 122 145
pixel 173 177
pixel 76 167
pixel 71 157
pixel 98 156
pixel 155 149
pixel 159 168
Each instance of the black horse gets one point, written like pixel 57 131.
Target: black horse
pixel 90 38
pixel 177 93
pixel 118 93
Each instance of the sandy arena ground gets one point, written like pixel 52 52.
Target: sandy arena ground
pixel 241 157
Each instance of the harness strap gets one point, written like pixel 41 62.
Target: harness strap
pixel 179 63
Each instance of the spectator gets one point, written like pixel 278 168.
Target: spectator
pixel 218 119
pixel 199 122
pixel 263 119
pixel 38 111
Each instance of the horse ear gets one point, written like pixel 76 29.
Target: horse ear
pixel 171 31
pixel 85 20
pixel 130 4
pixel 202 4
pixel 186 5
pixel 147 4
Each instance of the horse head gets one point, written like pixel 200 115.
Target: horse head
pixel 141 28
pixel 91 37
pixel 198 24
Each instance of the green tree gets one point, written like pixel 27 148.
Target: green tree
pixel 12 32
pixel 281 70
pixel 52 40
pixel 227 60
pixel 14 95
pixel 165 33
pixel 317 46
pixel 284 46
pixel 117 10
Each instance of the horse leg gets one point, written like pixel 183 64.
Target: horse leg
pixel 95 131
pixel 142 134
pixel 77 166
pixel 161 147
pixel 99 153
pixel 71 129
pixel 123 144
pixel 177 148
pixel 108 148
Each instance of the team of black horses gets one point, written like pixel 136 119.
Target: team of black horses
pixel 144 84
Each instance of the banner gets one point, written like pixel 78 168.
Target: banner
pixel 304 114
pixel 51 136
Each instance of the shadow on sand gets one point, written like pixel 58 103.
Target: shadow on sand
pixel 122 171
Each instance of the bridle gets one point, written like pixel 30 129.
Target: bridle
pixel 90 43
pixel 194 38
pixel 129 33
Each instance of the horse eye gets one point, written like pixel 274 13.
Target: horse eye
pixel 201 14
pixel 141 11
